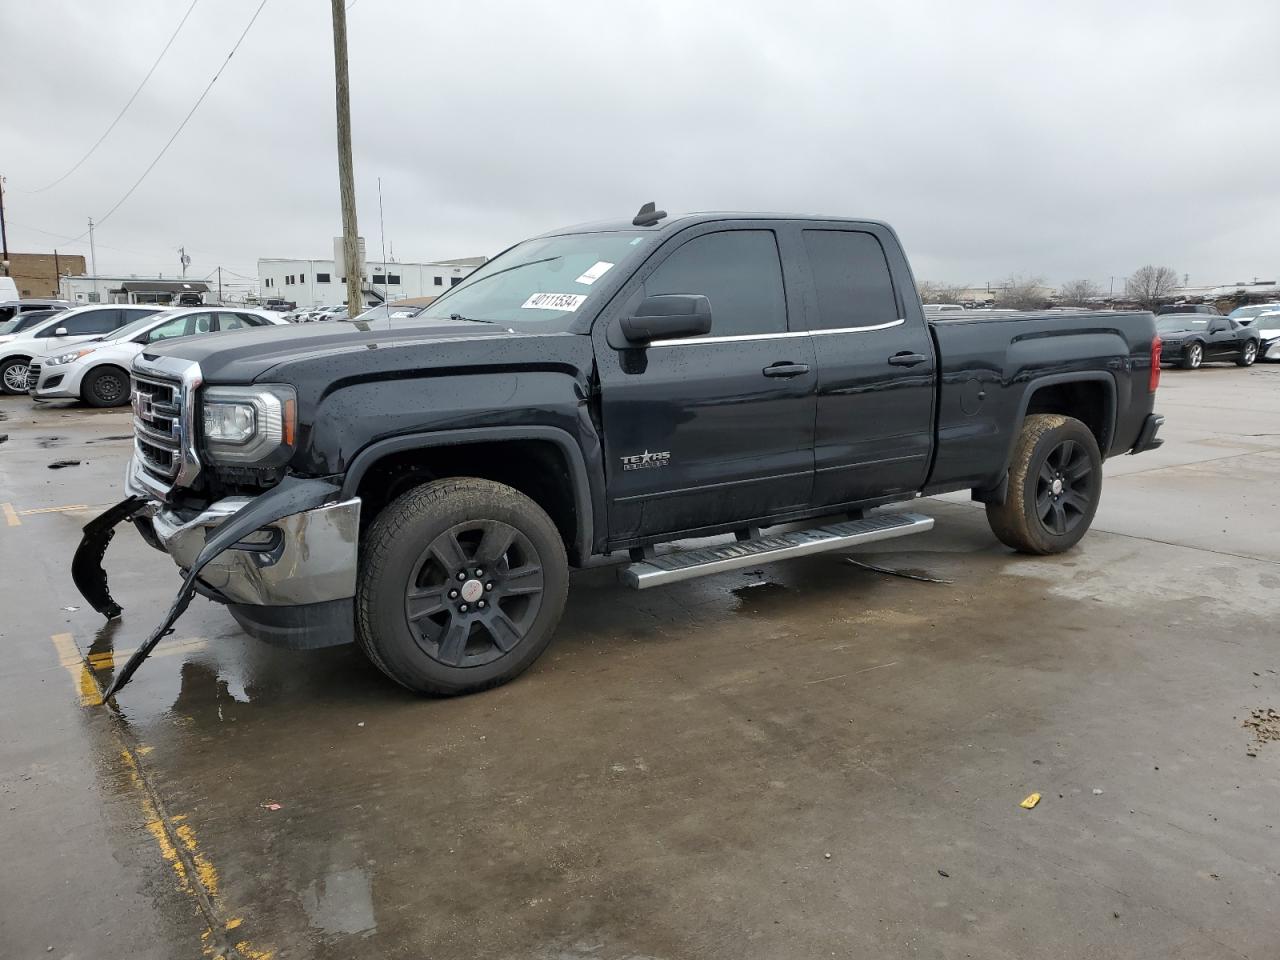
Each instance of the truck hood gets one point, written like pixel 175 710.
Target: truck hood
pixel 243 356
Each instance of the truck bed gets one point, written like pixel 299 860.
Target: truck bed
pixel 986 363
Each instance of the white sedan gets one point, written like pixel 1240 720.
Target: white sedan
pixel 97 372
pixel 1268 327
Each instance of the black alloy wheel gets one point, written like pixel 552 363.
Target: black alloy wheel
pixel 1064 488
pixel 474 593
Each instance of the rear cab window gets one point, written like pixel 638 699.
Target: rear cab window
pixel 851 280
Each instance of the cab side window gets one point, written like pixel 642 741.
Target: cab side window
pixel 738 271
pixel 83 324
pixel 851 279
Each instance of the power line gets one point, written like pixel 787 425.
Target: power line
pixel 127 105
pixel 151 166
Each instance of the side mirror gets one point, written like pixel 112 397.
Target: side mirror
pixel 668 317
pixel 60 332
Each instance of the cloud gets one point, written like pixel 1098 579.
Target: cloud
pixel 1076 141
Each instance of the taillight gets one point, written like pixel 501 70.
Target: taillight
pixel 1157 347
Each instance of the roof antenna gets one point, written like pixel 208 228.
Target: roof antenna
pixel 649 215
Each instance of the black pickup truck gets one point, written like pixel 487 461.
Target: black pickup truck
pixel 422 487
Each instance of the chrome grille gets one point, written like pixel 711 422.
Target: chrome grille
pixel 33 375
pixel 157 429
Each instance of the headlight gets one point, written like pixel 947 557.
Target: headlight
pixel 247 425
pixel 67 357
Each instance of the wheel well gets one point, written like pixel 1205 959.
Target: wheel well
pixel 537 468
pixel 1086 400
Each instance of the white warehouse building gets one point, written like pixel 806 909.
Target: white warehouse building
pixel 313 283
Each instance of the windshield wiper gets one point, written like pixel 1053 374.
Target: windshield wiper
pixel 458 316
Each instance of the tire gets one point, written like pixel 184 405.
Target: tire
pixel 1193 356
pixel 496 623
pixel 1055 483
pixel 105 387
pixel 1248 354
pixel 14 371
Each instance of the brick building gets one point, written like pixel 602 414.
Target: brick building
pixel 36 274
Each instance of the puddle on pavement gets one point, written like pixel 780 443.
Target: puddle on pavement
pixel 340 902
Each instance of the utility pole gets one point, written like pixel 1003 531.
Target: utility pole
pixel 382 233
pixel 4 234
pixel 93 261
pixel 219 284
pixel 184 260
pixel 346 177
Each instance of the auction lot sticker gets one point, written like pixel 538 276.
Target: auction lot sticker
pixel 554 301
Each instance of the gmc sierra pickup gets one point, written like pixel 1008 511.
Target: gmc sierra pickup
pixel 423 486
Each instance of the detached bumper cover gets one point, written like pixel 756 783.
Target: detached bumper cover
pixel 1147 439
pixel 266 549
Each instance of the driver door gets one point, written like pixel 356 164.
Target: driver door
pixel 714 429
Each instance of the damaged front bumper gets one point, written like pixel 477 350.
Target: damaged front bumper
pixel 284 562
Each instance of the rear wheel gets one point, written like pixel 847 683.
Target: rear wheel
pixel 13 375
pixel 1193 357
pixel 1055 483
pixel 1248 354
pixel 105 387
pixel 461 585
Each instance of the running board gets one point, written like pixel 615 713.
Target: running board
pixel 687 564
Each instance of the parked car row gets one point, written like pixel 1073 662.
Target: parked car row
pixel 1192 338
pixel 85 353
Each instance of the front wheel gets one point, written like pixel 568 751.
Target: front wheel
pixel 106 387
pixel 1248 354
pixel 1055 483
pixel 13 376
pixel 1193 357
pixel 461 585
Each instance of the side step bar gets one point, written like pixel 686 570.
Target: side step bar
pixel 687 564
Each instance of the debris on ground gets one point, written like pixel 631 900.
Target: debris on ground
pixel 1265 724
pixel 71 609
pixel 3 437
pixel 943 873
pixel 59 464
pixel 271 806
pixel 1030 802
pixel 905 574
pixel 826 856
pixel 1097 791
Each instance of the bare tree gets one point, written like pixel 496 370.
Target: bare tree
pixel 1022 293
pixel 934 292
pixel 1076 293
pixel 1150 284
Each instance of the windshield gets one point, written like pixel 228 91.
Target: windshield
pixel 388 311
pixel 1180 324
pixel 1268 321
pixel 1184 308
pixel 538 281
pixel 133 329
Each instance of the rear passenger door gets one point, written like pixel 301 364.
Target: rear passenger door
pixel 876 369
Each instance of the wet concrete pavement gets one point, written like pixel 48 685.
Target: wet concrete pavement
pixel 778 764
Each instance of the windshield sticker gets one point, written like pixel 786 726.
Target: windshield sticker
pixel 597 270
pixel 565 302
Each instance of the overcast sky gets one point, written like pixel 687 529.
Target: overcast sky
pixel 999 139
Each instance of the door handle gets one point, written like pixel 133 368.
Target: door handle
pixel 784 369
pixel 907 359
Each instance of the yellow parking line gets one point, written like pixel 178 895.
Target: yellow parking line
pixel 34 510
pixel 108 658
pixel 69 657
pixel 10 514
